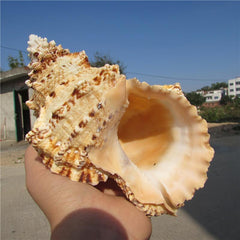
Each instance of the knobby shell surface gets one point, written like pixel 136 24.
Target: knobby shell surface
pixel 92 124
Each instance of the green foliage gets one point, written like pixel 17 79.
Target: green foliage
pixel 215 114
pixel 224 113
pixel 195 98
pixel 215 86
pixel 21 59
pixel 205 88
pixel 16 62
pixel 226 100
pixel 218 85
pixel 100 60
pixel 236 102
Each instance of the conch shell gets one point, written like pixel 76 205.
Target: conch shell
pixel 94 124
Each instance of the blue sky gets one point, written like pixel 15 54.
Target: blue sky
pixel 194 43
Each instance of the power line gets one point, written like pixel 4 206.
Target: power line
pixel 14 49
pixel 142 74
pixel 174 78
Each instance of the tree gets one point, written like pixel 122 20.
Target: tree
pixel 100 60
pixel 215 86
pixel 236 102
pixel 195 98
pixel 218 85
pixel 16 62
pixel 225 100
pixel 21 59
pixel 205 88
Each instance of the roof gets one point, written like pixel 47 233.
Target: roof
pixel 14 73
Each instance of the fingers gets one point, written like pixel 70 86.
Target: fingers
pixel 36 172
pixel 54 194
pixel 44 185
pixel 32 161
pixel 35 169
pixel 32 166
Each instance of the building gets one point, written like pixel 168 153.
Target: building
pixel 212 97
pixel 16 119
pixel 234 87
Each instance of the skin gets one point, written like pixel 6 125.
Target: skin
pixel 77 210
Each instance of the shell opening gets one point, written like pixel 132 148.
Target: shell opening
pixel 145 131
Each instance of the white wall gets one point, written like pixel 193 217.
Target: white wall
pixel 7 116
pixel 213 96
pixel 234 87
pixel 32 117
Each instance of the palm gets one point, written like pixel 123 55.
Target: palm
pixel 60 197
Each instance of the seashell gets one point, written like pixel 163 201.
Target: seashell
pixel 93 124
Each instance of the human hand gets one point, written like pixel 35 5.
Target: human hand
pixel 77 210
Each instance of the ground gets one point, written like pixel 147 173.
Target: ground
pixel 12 153
pixel 213 213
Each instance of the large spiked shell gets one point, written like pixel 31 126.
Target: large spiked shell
pixel 93 124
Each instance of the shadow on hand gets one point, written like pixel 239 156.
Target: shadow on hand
pixel 89 224
pixel 110 187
